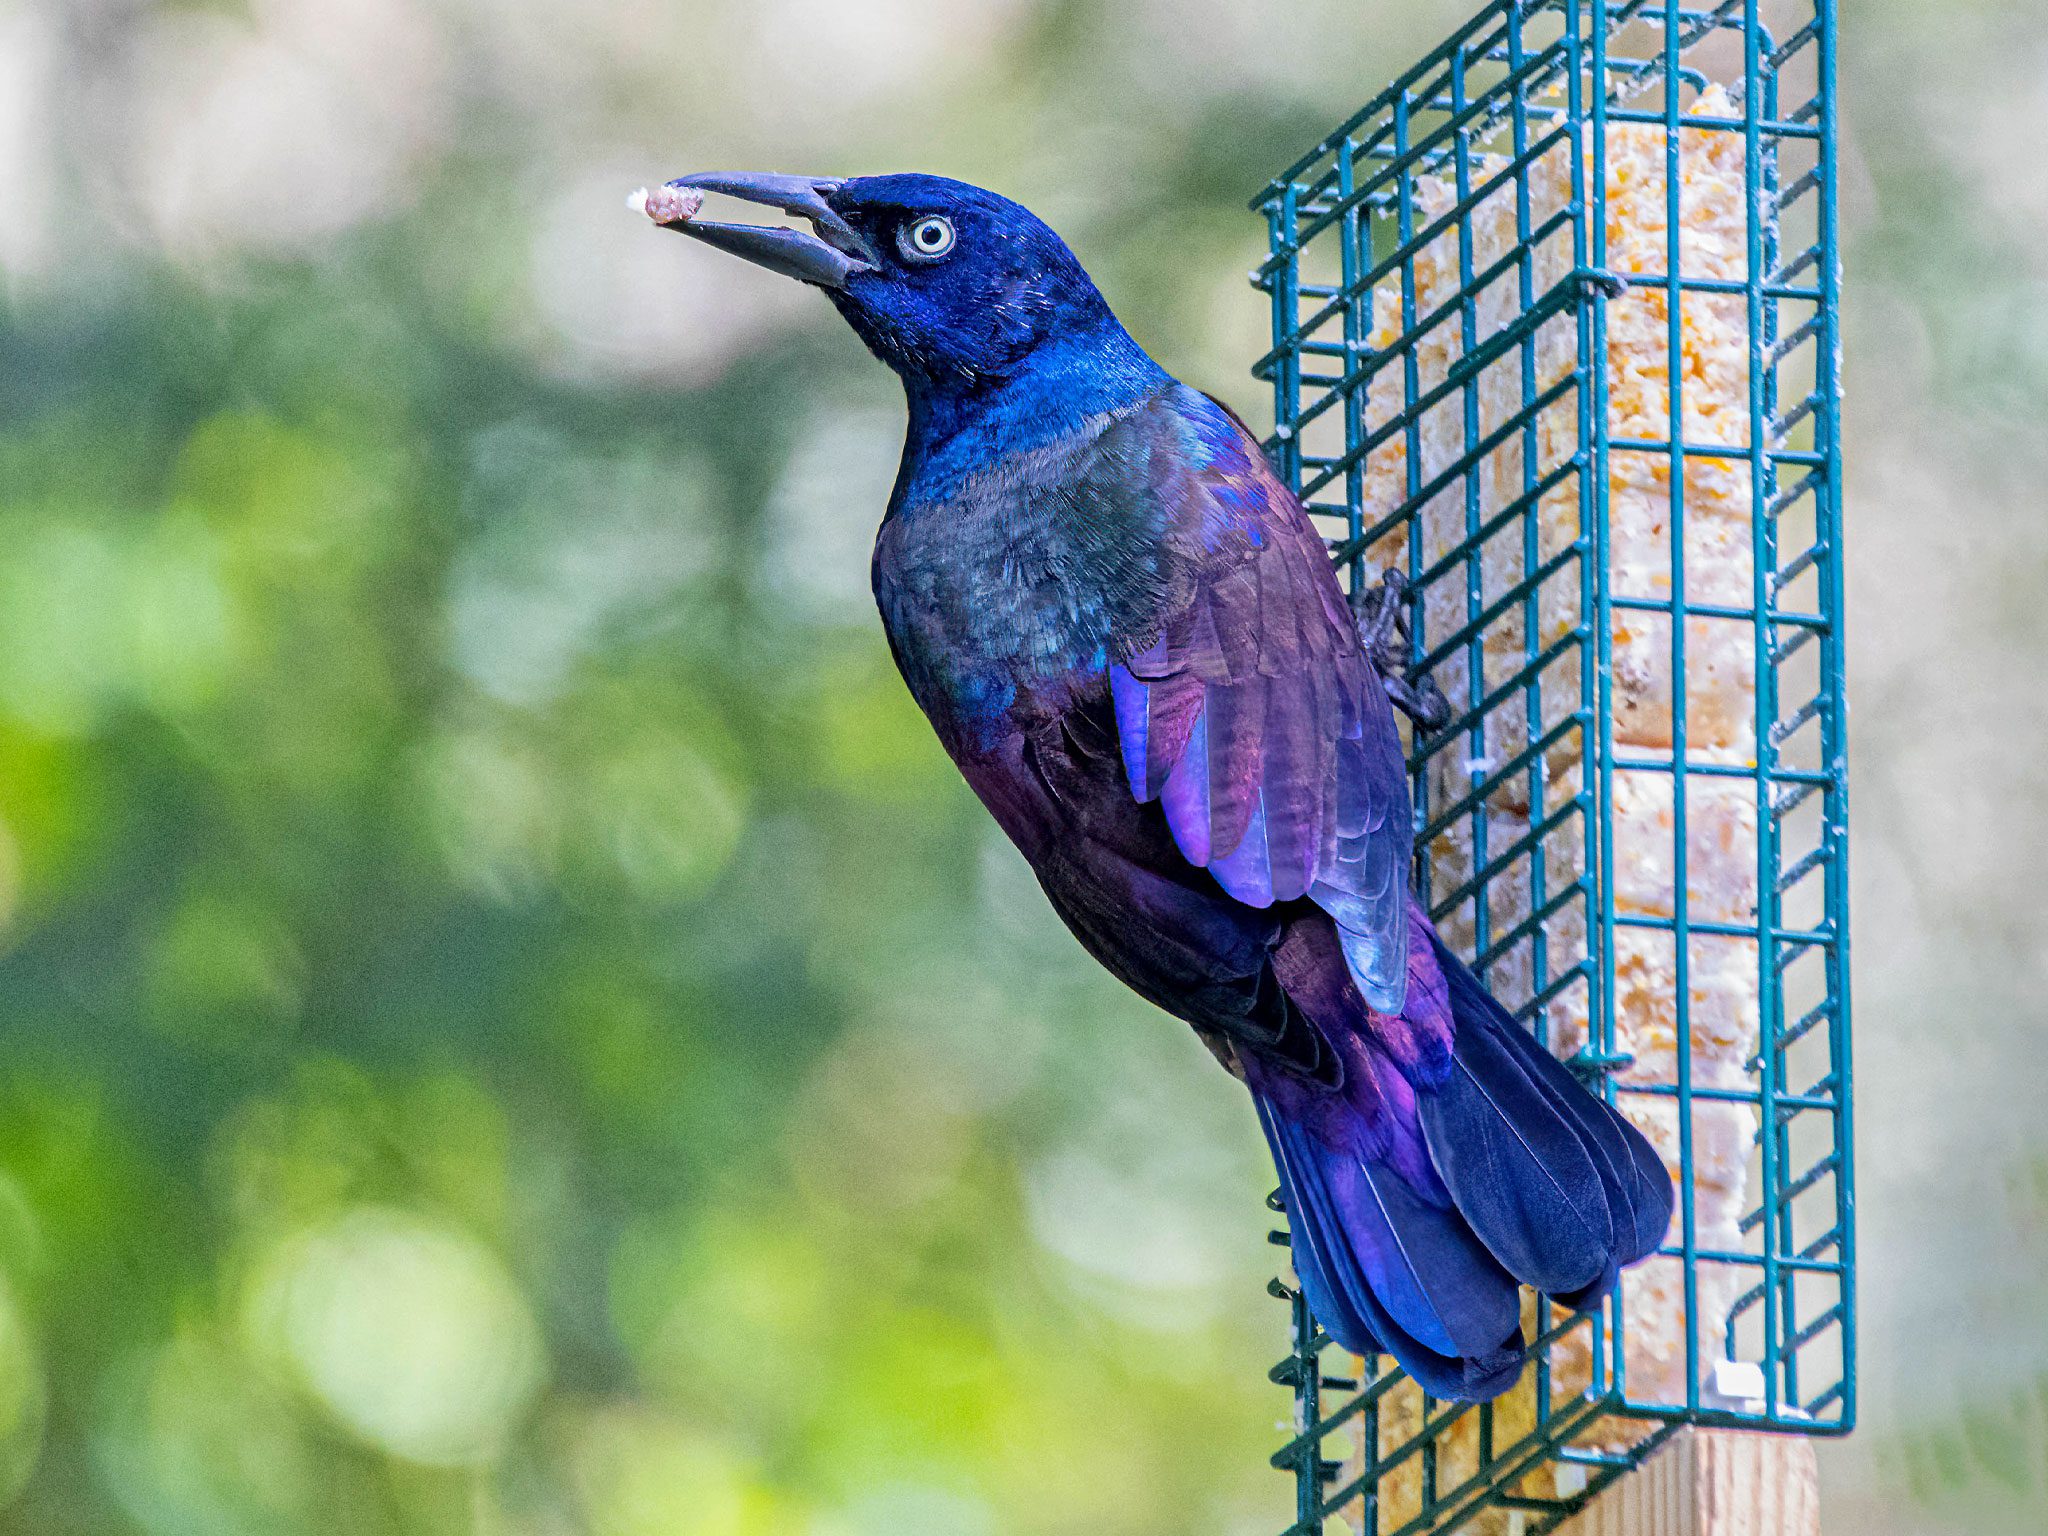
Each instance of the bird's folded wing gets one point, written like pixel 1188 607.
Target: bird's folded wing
pixel 1250 711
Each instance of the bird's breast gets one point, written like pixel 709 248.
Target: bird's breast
pixel 995 619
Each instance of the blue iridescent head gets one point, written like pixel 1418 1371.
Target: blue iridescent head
pixel 954 287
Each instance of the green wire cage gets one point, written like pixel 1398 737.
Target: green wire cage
pixel 1555 338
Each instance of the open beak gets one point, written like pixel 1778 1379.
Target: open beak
pixel 828 256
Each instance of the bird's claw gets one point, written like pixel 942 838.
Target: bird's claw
pixel 1383 628
pixel 1421 701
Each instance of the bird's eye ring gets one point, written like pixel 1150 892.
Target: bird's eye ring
pixel 926 239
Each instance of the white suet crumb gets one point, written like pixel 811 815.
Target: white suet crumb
pixel 666 205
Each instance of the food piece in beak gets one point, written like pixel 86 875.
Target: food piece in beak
pixel 667 205
pixel 826 255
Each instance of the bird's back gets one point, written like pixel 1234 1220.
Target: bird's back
pixel 1009 602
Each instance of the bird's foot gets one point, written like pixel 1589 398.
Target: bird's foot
pixel 1423 702
pixel 1383 627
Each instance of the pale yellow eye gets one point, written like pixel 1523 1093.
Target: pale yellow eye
pixel 926 239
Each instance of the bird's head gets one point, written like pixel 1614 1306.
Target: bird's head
pixel 952 286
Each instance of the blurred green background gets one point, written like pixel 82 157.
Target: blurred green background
pixel 510 1024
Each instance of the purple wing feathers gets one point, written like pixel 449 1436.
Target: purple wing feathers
pixel 1255 717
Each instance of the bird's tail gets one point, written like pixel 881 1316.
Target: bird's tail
pixel 1419 1200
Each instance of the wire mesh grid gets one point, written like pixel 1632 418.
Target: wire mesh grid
pixel 1554 326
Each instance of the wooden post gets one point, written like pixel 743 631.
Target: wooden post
pixel 1711 1482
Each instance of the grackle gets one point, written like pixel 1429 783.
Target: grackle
pixel 1130 639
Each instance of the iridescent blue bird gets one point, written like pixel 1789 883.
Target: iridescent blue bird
pixel 1130 638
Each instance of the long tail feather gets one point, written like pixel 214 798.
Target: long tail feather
pixel 1528 1178
pixel 1566 1191
pixel 1517 1168
pixel 1640 1193
pixel 1386 1270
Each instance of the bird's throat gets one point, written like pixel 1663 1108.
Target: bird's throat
pixel 957 427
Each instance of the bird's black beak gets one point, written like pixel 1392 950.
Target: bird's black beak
pixel 828 257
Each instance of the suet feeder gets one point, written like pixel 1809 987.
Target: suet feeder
pixel 1555 338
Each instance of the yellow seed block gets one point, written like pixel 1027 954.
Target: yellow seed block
pixel 1720 687
pixel 1473 610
